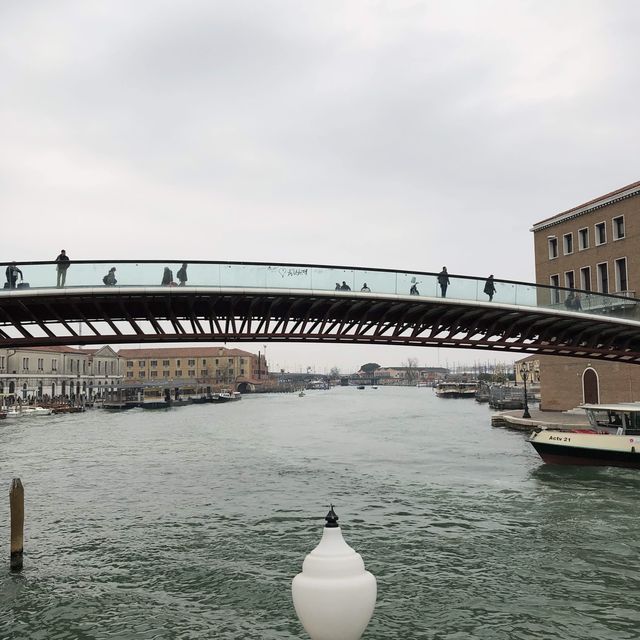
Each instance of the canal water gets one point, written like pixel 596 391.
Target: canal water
pixel 191 522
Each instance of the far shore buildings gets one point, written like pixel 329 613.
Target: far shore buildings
pixel 593 247
pixel 47 372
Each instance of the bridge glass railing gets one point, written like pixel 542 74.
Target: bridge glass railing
pixel 314 278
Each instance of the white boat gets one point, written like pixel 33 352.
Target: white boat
pixel 226 396
pixel 22 412
pixel 456 390
pixel 612 438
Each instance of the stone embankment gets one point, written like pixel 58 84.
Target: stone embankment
pixel 561 420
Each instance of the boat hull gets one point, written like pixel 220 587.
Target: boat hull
pixel 587 449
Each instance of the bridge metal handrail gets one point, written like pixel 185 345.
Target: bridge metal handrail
pixel 321 278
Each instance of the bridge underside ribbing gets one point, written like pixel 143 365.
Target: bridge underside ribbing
pixel 157 315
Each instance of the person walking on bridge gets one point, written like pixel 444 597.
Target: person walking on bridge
pixel 62 264
pixel 182 274
pixel 489 287
pixel 443 281
pixel 12 272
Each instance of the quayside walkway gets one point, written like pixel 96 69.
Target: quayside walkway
pixel 97 302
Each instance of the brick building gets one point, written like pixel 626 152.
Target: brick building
pixel 215 366
pixel 593 247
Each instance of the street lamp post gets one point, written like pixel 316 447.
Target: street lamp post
pixel 525 374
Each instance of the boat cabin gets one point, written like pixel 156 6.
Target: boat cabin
pixel 622 418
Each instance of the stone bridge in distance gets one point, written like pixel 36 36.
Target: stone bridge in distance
pixel 249 301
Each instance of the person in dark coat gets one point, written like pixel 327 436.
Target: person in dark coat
pixel 489 287
pixel 182 274
pixel 344 286
pixel 110 278
pixel 167 276
pixel 413 291
pixel 62 264
pixel 443 281
pixel 12 272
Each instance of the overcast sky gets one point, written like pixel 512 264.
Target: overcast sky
pixel 399 134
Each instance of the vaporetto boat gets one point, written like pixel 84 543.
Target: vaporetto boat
pixel 612 439
pixel 456 390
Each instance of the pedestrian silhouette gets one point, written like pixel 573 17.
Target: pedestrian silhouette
pixel 443 281
pixel 414 290
pixel 167 276
pixel 12 272
pixel 62 264
pixel 110 278
pixel 182 274
pixel 344 286
pixel 365 288
pixel 489 287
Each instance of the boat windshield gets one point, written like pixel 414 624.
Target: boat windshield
pixel 613 420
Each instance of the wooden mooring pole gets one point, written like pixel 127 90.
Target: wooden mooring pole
pixel 16 501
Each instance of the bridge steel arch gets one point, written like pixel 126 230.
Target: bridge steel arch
pixel 125 315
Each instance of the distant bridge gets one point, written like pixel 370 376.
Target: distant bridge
pixel 245 302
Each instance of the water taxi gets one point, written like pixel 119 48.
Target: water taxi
pixel 612 439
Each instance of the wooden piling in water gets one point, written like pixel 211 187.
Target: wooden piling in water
pixel 16 502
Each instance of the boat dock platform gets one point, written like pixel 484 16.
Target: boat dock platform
pixel 560 420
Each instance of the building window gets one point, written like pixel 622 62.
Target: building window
pixel 621 275
pixel 113 366
pixel 553 248
pixel 142 374
pixel 154 374
pixel 84 366
pixel 40 364
pixel 204 362
pixel 165 374
pixel 618 228
pixel 177 363
pixel 141 363
pixel 601 233
pixel 25 364
pixel 204 373
pixel 129 374
pixel 554 281
pixel 165 363
pixel 241 360
pixel 191 363
pixel 603 277
pixel 241 372
pixel 230 360
pixel 567 241
pixel 54 365
pixel 217 361
pixel 569 281
pixel 585 278
pixel 191 373
pixel 154 363
pixel 179 373
pixel 129 363
pixel 583 239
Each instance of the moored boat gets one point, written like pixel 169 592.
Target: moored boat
pixel 226 396
pixel 612 439
pixel 456 390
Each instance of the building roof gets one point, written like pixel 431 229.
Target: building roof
pixel 629 191
pixel 183 352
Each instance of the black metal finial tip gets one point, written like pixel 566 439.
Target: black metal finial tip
pixel 331 519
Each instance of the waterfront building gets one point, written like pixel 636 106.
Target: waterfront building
pixel 38 372
pixel 592 247
pixel 207 366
